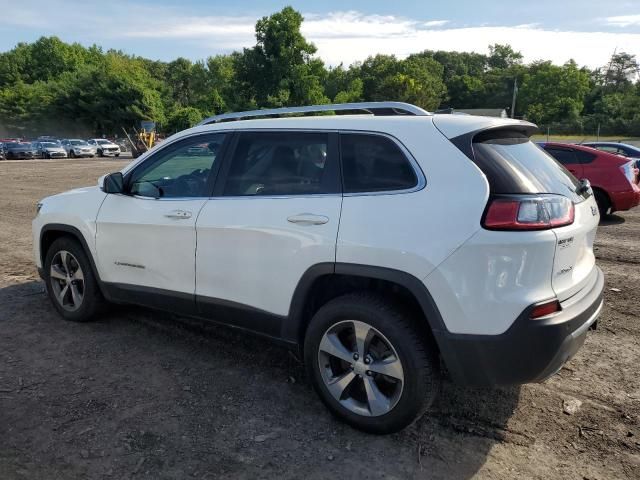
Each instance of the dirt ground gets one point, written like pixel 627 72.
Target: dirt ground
pixel 141 394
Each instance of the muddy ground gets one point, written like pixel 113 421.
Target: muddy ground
pixel 141 394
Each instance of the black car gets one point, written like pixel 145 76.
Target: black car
pixel 19 151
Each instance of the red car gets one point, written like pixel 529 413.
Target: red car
pixel 614 179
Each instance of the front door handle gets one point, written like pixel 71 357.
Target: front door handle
pixel 178 214
pixel 308 219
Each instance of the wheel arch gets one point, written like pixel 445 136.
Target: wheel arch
pixel 599 189
pixel 323 282
pixel 52 231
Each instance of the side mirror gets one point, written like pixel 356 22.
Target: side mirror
pixel 113 183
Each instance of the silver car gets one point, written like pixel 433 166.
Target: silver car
pixel 78 148
pixel 50 149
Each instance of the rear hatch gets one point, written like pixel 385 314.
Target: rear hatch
pixel 515 166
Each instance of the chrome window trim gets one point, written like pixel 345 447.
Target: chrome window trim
pixel 420 185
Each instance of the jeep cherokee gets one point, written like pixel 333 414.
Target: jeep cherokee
pixel 383 242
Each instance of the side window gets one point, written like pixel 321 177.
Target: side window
pixel 564 155
pixel 584 157
pixel 178 171
pixel 281 163
pixel 624 152
pixel 607 148
pixel 373 163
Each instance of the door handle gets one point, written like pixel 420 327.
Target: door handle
pixel 178 214
pixel 308 219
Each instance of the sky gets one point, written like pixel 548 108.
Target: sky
pixel 588 31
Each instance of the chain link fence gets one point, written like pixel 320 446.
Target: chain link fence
pixel 589 132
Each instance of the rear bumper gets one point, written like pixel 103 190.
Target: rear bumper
pixel 530 350
pixel 625 200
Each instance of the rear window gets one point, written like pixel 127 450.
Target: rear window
pixel 372 163
pixel 514 164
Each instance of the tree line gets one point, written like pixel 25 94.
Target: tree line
pixel 53 87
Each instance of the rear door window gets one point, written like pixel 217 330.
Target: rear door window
pixel 565 156
pixel 282 163
pixel 373 163
pixel 584 157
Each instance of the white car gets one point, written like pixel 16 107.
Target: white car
pixel 104 148
pixel 380 246
pixel 78 148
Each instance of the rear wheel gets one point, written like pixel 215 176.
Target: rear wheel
pixel 604 204
pixel 71 284
pixel 370 364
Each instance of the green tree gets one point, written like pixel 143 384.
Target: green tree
pixel 417 79
pixel 280 69
pixel 182 118
pixel 552 93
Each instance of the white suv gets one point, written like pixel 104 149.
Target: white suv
pixel 104 147
pixel 382 244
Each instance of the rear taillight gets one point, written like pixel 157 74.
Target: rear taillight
pixel 523 212
pixel 630 171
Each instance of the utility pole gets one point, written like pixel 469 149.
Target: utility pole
pixel 515 94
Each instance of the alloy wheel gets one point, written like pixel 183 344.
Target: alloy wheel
pixel 67 280
pixel 360 368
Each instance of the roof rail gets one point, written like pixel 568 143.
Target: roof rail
pixel 371 108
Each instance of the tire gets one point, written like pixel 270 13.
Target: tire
pixel 604 204
pixel 72 154
pixel 100 153
pixel 117 154
pixel 80 302
pixel 357 398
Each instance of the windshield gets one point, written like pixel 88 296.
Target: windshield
pixel 513 164
pixel 103 142
pixel 78 142
pixel 49 144
pixel 13 144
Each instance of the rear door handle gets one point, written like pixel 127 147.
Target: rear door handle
pixel 178 214
pixel 308 219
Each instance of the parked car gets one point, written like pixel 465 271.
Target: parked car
pixel 50 149
pixel 379 246
pixel 20 151
pixel 47 138
pixel 123 143
pixel 1 151
pixel 614 179
pixel 618 148
pixel 104 147
pixel 78 148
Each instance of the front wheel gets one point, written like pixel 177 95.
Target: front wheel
pixel 72 154
pixel 71 284
pixel 371 364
